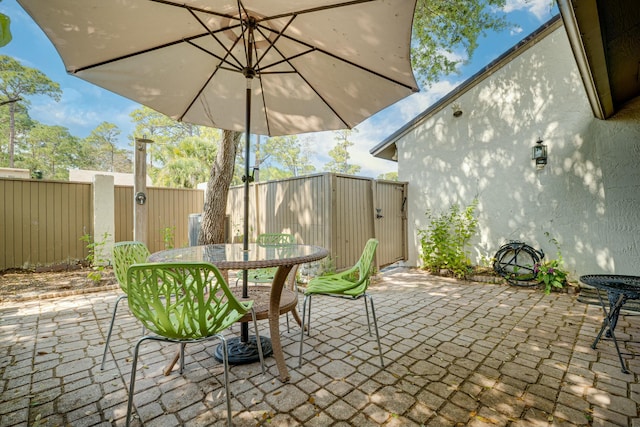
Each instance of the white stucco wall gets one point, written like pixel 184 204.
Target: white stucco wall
pixel 588 195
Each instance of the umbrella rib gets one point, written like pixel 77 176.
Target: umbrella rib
pixel 264 105
pixel 213 35
pixel 140 52
pixel 346 61
pixel 317 9
pixel 272 43
pixel 184 6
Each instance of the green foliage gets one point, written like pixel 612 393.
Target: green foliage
pixel 445 34
pixel 51 150
pixel 16 83
pixel 327 266
pixel 389 176
pixel 340 155
pixel 168 236
pixel 283 157
pixel 96 256
pixel 182 154
pixel 551 274
pixel 103 142
pixel 444 241
pixel 5 30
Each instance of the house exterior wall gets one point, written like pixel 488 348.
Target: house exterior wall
pixel 588 195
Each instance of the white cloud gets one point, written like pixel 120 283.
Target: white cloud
pixel 375 129
pixel 515 31
pixel 80 117
pixel 539 8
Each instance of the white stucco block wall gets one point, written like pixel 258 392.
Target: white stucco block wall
pixel 587 197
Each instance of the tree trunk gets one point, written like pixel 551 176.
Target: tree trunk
pixel 215 204
pixel 12 132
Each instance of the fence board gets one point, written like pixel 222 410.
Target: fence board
pixel 41 222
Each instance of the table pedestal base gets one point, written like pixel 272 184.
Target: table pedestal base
pixel 240 353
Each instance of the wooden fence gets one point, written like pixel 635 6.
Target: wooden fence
pixel 42 222
pixel 338 212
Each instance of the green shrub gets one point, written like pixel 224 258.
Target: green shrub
pixel 95 258
pixel 444 242
pixel 551 274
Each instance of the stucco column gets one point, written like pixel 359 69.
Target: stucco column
pixel 104 224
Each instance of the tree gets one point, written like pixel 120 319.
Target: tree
pixel 164 131
pixel 284 157
pixel 104 140
pixel 215 205
pixel 189 161
pixel 441 28
pixel 389 176
pixel 21 124
pixel 17 81
pixel 340 155
pixel 51 150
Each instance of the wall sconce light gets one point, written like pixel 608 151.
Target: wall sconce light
pixel 539 154
pixel 457 110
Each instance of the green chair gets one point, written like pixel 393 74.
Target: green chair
pixel 125 254
pixel 266 275
pixel 184 303
pixel 350 284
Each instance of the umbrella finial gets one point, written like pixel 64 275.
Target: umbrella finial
pixel 249 72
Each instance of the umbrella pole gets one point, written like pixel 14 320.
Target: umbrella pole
pixel 245 238
pixel 244 349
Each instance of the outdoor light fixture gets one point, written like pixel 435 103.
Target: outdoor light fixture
pixel 539 154
pixel 457 110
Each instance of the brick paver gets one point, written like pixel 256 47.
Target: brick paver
pixel 456 353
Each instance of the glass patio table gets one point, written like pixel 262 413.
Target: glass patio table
pixel 619 289
pixel 233 257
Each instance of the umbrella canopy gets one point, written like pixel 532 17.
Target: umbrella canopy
pixel 313 64
pixel 274 67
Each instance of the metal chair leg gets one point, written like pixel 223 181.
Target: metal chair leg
pixel 225 362
pixel 304 316
pixel 258 340
pixel 113 319
pixel 132 383
pixel 366 309
pixel 375 324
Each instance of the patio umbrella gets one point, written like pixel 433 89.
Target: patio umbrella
pixel 275 67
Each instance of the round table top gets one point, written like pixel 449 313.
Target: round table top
pixel 231 256
pixel 629 285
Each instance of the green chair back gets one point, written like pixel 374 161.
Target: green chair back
pixel 266 275
pixel 364 268
pixel 183 300
pixel 126 254
pixel 353 281
pixel 275 239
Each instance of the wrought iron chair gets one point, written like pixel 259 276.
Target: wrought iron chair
pixel 349 284
pixel 184 303
pixel 125 254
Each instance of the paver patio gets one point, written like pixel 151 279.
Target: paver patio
pixel 456 353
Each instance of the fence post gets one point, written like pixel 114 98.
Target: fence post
pixel 104 223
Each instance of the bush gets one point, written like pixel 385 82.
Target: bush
pixel 444 242
pixel 551 273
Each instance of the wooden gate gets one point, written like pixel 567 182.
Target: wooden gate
pixel 390 221
pixel 338 212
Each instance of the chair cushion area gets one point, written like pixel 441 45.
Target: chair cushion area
pixel 332 285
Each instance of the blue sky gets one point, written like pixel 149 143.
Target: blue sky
pixel 84 106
